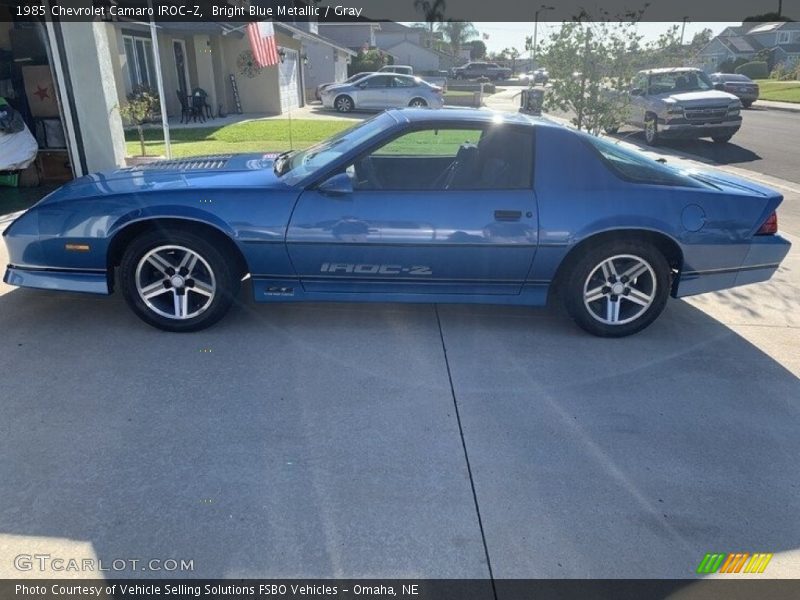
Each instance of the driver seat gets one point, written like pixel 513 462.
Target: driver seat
pixel 462 173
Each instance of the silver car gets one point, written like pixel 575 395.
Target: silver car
pixel 380 91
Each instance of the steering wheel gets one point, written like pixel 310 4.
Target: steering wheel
pixel 366 171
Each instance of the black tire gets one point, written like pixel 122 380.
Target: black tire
pixel 722 139
pixel 651 130
pixel 748 103
pixel 213 265
pixel 344 103
pixel 418 103
pixel 585 273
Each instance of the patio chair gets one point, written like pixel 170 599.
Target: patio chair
pixel 189 111
pixel 200 101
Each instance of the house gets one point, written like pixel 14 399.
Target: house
pixel 69 78
pixel 413 46
pixel 354 35
pixel 780 40
pixel 205 55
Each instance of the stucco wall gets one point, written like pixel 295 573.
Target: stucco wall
pixel 260 93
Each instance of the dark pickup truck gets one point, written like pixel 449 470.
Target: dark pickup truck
pixel 474 70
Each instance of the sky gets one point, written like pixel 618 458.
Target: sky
pixel 507 35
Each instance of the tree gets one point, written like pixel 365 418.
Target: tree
pixel 367 61
pixel 433 11
pixel 139 108
pixel 457 34
pixel 591 66
pixel 701 38
pixel 477 49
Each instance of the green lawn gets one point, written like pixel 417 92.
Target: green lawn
pixel 253 136
pixel 273 135
pixel 779 91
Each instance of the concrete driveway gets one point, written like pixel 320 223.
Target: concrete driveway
pixel 411 441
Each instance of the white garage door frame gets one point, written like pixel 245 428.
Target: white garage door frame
pixel 289 80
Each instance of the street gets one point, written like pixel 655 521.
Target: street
pixel 767 143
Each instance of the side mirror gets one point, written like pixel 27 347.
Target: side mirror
pixel 719 86
pixel 637 92
pixel 338 185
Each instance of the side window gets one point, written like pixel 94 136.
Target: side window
pixel 473 158
pixel 402 82
pixel 376 82
pixel 430 142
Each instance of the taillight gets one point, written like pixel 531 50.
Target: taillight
pixel 770 226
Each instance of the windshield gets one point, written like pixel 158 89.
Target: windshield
pixel 679 81
pixel 635 166
pixel 297 165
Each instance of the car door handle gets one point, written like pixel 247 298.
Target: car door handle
pixel 507 215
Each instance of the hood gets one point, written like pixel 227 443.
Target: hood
pixel 206 172
pixel 704 98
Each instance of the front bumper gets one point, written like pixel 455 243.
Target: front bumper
pixel 683 129
pixel 763 258
pixel 90 282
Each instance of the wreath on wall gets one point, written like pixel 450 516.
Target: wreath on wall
pixel 247 65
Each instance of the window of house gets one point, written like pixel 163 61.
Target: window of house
pixel 784 37
pixel 139 59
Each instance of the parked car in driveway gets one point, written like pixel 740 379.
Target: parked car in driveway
pixel 460 205
pixel 681 103
pixel 352 79
pixel 740 86
pixel 475 70
pixel 382 90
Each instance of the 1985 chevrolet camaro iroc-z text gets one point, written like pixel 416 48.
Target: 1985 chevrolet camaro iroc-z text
pixel 413 205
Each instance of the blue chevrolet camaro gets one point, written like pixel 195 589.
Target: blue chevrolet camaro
pixel 413 205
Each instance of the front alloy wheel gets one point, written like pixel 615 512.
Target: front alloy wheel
pixel 651 131
pixel 617 288
pixel 177 280
pixel 343 104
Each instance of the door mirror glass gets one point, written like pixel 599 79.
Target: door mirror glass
pixel 338 185
pixel 719 86
pixel 637 91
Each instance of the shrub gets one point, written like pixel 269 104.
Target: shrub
pixel 729 66
pixel 753 70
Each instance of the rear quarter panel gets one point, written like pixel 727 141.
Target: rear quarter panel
pixel 579 196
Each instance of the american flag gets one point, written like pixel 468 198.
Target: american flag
pixel 262 43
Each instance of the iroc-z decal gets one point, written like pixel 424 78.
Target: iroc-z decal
pixel 368 269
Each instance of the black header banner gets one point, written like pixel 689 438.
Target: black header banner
pixel 396 10
pixel 733 588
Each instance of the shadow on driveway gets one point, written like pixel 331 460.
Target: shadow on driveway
pixel 322 440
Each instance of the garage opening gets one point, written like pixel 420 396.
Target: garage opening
pixel 34 148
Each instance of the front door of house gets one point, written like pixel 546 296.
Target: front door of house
pixel 179 51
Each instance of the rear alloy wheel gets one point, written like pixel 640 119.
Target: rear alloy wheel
pixel 343 104
pixel 651 130
pixel 177 281
pixel 418 103
pixel 618 288
pixel 722 139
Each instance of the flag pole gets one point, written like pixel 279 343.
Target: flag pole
pixel 160 83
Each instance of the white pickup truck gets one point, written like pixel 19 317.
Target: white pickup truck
pixel 681 103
